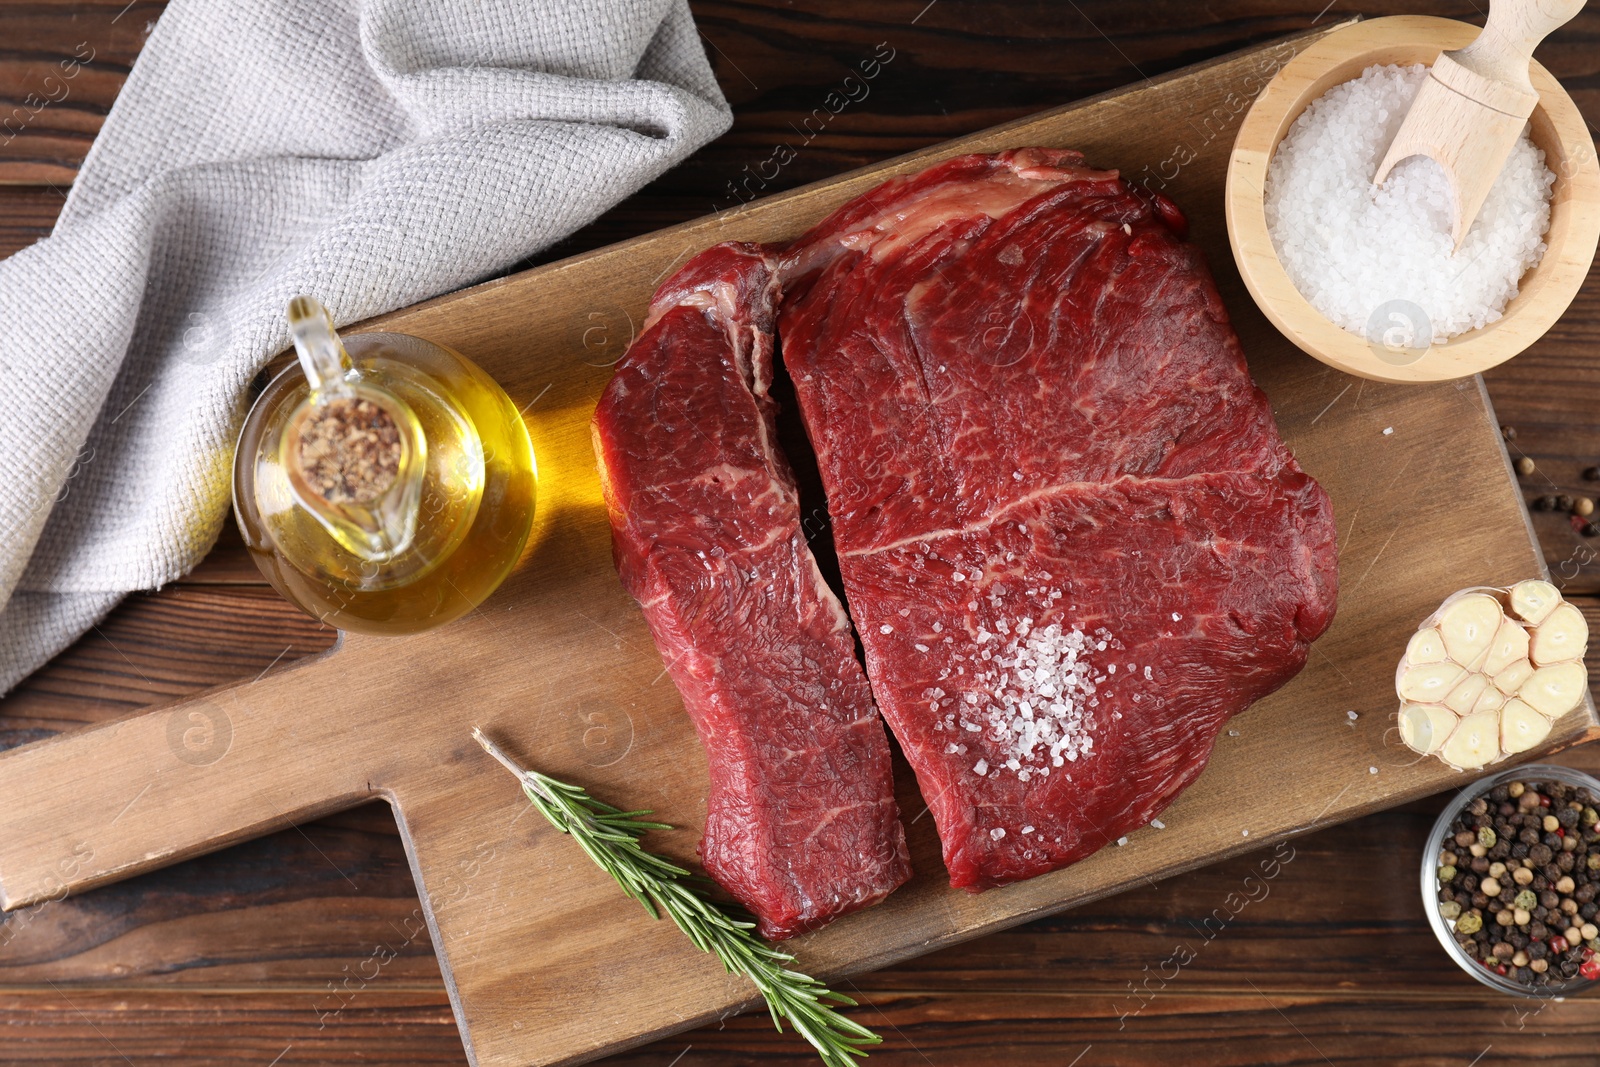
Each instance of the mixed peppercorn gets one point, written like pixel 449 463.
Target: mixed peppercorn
pixel 1579 509
pixel 1518 876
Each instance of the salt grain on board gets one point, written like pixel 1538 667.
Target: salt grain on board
pixel 1351 248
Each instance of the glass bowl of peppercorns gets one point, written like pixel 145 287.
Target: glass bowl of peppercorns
pixel 1510 879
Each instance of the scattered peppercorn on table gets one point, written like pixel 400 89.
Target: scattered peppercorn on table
pixel 308 946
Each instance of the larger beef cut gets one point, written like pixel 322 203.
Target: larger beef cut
pixel 1071 538
pixel 802 824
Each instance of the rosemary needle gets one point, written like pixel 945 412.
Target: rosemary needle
pixel 611 838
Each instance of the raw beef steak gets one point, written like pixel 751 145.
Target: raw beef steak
pixel 1072 541
pixel 801 824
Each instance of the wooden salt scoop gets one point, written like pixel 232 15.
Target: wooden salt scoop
pixel 1471 110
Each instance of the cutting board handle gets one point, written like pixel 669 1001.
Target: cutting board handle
pixel 93 806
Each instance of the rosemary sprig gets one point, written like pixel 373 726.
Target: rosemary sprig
pixel 611 838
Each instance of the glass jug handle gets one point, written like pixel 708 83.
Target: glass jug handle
pixel 316 343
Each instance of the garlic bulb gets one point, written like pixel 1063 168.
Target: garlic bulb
pixel 1479 683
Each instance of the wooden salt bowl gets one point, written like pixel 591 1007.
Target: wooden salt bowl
pixel 1546 290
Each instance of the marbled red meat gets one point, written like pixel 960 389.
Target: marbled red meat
pixel 802 824
pixel 1070 536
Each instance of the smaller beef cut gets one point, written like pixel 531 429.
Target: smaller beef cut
pixel 1071 538
pixel 801 825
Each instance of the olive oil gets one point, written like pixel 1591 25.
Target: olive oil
pixel 442 537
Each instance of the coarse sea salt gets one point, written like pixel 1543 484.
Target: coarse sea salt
pixel 1366 256
pixel 1033 696
pixel 1031 692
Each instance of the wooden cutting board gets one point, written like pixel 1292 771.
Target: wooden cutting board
pixel 545 961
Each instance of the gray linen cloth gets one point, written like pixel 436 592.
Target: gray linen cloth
pixel 369 153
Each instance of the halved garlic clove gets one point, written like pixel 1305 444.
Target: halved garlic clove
pixel 1562 636
pixel 1430 682
pixel 1510 645
pixel 1556 689
pixel 1479 683
pixel 1464 697
pixel 1476 741
pixel 1425 727
pixel 1512 678
pixel 1426 646
pixel 1532 600
pixel 1491 700
pixel 1468 626
pixel 1521 727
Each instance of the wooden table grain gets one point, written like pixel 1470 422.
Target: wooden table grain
pixel 307 947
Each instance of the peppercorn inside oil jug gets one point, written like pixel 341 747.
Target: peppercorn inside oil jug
pixel 385 484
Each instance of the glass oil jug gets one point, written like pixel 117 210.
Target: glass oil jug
pixel 384 484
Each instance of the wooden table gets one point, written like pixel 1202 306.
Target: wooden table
pixel 307 947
